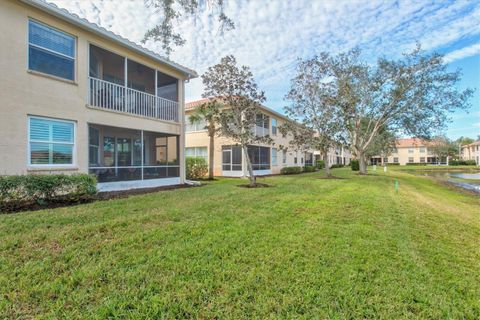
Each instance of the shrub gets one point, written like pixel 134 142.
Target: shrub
pixel 24 191
pixel 197 167
pixel 355 165
pixel 320 164
pixel 291 170
pixel 334 166
pixel 393 164
pixel 456 162
pixel 470 163
pixel 416 163
pixel 309 169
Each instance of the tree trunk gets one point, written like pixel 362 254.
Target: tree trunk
pixel 253 179
pixel 328 172
pixel 363 163
pixel 211 153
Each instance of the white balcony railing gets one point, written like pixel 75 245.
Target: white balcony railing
pixel 111 96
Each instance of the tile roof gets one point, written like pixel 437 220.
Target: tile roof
pixel 193 104
pixel 412 142
pixel 74 19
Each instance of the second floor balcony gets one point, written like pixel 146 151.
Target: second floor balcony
pixel 123 85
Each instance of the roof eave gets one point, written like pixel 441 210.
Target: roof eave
pixel 91 27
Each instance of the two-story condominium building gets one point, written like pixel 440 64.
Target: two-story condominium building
pixel 471 152
pixel 410 150
pixel 229 159
pixel 75 97
pixel 339 154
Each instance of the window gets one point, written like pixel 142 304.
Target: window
pixel 422 159
pixel 394 150
pixel 274 156
pixel 51 142
pixel 385 160
pixel 422 149
pixel 50 51
pixel 197 152
pixel 262 125
pixel 410 150
pixel 309 159
pixel 274 126
pixel 301 160
pixel 196 126
pixel 410 159
pixel 231 158
pixel 93 146
pixel 395 160
pixel 284 156
pixel 259 157
pixel 295 160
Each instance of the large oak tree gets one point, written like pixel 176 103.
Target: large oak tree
pixel 413 95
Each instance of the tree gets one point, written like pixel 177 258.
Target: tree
pixel 236 89
pixel 313 106
pixel 209 113
pixel 175 10
pixel 382 145
pixel 443 147
pixel 464 141
pixel 412 96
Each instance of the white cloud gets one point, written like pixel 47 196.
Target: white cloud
pixel 270 35
pixel 463 53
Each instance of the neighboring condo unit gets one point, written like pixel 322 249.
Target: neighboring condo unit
pixel 339 155
pixel 471 152
pixel 229 159
pixel 75 97
pixel 410 150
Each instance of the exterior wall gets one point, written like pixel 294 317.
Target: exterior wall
pixel 403 155
pixel 471 152
pixel 337 155
pixel 24 93
pixel 201 139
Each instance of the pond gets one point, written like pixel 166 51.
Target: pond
pixel 469 180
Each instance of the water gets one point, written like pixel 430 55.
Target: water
pixel 469 180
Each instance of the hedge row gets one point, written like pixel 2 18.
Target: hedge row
pixel 462 163
pixel 196 167
pixel 416 163
pixel 291 170
pixel 320 164
pixel 355 165
pixel 24 191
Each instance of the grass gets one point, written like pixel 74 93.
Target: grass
pixel 305 248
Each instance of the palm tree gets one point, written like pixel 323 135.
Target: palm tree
pixel 208 112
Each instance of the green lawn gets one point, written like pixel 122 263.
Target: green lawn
pixel 305 248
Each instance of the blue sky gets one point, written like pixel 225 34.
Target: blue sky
pixel 270 36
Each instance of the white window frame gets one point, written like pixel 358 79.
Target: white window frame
pixel 75 53
pixel 74 144
pixel 272 121
pixel 274 163
pixel 195 151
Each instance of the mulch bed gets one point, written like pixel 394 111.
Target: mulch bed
pixel 101 196
pixel 257 185
pixel 332 178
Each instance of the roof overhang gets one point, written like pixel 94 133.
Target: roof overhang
pixel 104 33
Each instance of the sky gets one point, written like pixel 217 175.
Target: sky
pixel 270 37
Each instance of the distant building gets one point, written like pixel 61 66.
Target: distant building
pixel 337 155
pixel 410 150
pixel 471 152
pixel 229 158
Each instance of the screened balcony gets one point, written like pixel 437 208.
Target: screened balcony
pixel 123 85
pixel 119 154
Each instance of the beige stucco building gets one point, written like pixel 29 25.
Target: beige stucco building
pixel 471 152
pixel 410 150
pixel 229 159
pixel 75 97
